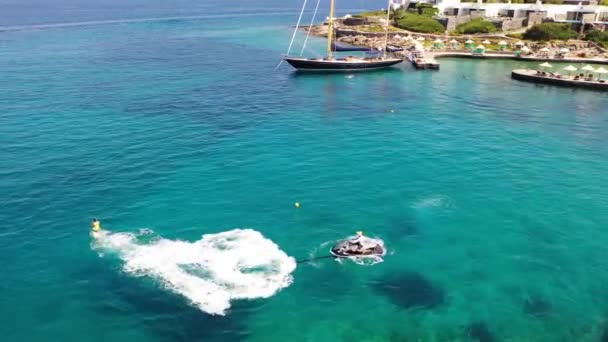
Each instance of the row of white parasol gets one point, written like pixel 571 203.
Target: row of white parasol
pixel 526 49
pixel 454 41
pixel 587 68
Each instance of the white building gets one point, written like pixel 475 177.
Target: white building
pixel 400 3
pixel 570 13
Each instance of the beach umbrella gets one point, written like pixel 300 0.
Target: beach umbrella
pixel 601 71
pixel 546 65
pixel 480 49
pixel 487 42
pixel 502 42
pixel 588 68
pixel 525 49
pixel 454 41
pixel 519 44
pixel 564 50
pixel 437 43
pixel 570 69
pixel 420 39
pixel 397 36
pixel 469 42
pixel 545 49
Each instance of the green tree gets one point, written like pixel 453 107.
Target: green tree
pixel 598 37
pixel 550 31
pixel 476 26
pixel 419 23
pixel 426 9
pixel 399 13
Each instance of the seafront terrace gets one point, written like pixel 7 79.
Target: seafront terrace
pixel 509 55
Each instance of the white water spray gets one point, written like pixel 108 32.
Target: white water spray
pixel 210 272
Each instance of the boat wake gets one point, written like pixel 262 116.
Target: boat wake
pixel 135 20
pixel 433 201
pixel 210 272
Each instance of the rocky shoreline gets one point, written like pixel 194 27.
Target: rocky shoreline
pixel 555 50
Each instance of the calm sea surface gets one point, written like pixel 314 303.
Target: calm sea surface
pixel 168 121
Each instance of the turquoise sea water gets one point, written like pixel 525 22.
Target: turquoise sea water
pixel 490 194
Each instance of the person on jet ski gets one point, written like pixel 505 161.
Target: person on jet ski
pixel 356 242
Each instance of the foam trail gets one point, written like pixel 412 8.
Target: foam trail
pixel 432 202
pixel 134 20
pixel 210 272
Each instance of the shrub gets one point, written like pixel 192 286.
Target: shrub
pixel 399 13
pixel 550 31
pixel 419 23
pixel 370 14
pixel 598 37
pixel 375 28
pixel 426 9
pixel 515 35
pixel 476 26
pixel 604 2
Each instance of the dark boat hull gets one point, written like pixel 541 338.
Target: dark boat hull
pixel 530 76
pixel 378 252
pixel 304 64
pixel 341 250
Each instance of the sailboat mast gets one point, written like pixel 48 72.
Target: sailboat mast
pixel 388 16
pixel 330 28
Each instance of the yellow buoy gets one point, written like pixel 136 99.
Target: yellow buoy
pixel 297 204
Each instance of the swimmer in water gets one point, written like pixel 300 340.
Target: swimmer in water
pixel 95 225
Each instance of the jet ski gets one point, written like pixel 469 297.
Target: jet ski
pixel 360 249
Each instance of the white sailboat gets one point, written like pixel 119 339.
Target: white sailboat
pixel 332 63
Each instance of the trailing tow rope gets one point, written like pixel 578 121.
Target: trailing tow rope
pixel 315 258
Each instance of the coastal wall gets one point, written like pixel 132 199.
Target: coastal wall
pixel 354 21
pixel 342 32
pixel 535 18
pixel 450 22
pixel 509 24
pixel 506 55
pixel 348 32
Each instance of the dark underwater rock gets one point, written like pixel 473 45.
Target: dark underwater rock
pixel 166 315
pixel 537 306
pixel 404 226
pixel 410 290
pixel 604 332
pixel 479 331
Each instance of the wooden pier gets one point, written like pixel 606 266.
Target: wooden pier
pixel 421 61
